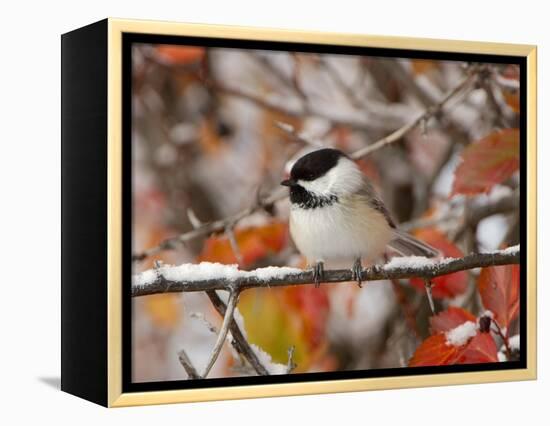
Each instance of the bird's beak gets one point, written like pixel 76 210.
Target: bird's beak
pixel 288 182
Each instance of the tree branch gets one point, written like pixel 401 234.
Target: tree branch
pixel 193 277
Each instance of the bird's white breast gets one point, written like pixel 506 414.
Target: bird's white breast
pixel 343 230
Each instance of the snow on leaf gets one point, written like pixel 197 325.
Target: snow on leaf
pixel 487 162
pixel 267 362
pixel 436 350
pixel 449 319
pixel 499 290
pixel 459 335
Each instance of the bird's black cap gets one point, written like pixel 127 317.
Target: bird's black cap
pixel 315 164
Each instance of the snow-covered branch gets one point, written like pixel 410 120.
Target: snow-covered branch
pixel 214 276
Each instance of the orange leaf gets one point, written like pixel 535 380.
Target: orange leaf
pixel 487 162
pixel 448 285
pixel 255 243
pixel 175 54
pixel 421 66
pixel 449 319
pixel 499 290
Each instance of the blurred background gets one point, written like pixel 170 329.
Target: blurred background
pixel 215 129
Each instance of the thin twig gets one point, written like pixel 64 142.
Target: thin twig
pixel 290 365
pixel 234 244
pixel 240 280
pixel 293 134
pixel 188 366
pixel 504 338
pixel 228 317
pixel 428 286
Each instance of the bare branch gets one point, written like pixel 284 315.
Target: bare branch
pixel 154 281
pixel 228 317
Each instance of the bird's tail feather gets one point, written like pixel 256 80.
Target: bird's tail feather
pixel 406 245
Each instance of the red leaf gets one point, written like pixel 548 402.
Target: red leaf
pixel 313 307
pixel 448 285
pixel 487 162
pixel 481 348
pixel 435 351
pixel 499 290
pixel 449 319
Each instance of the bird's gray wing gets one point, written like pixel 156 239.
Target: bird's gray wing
pixel 368 192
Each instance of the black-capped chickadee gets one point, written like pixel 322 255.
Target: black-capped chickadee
pixel 336 214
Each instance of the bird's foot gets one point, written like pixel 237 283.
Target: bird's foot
pixel 356 271
pixel 318 273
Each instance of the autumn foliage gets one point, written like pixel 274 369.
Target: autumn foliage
pixel 208 140
pixel 498 287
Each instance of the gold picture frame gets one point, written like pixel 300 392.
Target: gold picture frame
pixel 115 396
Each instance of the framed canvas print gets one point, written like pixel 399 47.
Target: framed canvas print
pixel 250 212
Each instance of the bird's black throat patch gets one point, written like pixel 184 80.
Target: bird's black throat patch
pixel 308 200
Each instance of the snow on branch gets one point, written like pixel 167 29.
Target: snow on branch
pixel 214 276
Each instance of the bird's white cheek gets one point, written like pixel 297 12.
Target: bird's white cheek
pixel 320 186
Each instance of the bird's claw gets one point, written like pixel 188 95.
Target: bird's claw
pixel 356 271
pixel 318 273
